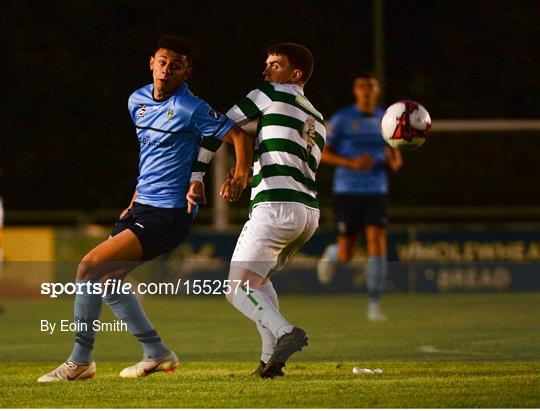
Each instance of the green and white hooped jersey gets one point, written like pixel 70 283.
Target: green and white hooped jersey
pixel 288 146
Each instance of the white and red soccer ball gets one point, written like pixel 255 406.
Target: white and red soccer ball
pixel 405 125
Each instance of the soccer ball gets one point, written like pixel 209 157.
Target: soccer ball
pixel 405 125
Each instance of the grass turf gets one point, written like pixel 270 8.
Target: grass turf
pixel 455 350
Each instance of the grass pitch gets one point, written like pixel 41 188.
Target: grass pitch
pixel 456 350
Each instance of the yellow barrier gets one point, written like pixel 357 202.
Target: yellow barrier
pixel 28 244
pixel 28 260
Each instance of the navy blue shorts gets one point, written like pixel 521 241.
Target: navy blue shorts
pixel 353 212
pixel 159 230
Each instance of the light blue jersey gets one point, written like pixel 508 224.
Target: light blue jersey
pixel 170 133
pixel 352 133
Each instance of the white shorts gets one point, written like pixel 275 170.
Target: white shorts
pixel 272 235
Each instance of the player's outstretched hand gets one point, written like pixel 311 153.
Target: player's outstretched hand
pixel 362 162
pixel 233 187
pixel 195 195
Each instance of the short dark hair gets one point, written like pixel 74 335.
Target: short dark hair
pixel 299 56
pixel 365 74
pixel 177 44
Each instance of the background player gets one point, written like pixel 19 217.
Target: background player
pixel 284 206
pixel 361 156
pixel 169 121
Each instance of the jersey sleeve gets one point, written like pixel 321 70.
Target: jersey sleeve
pixel 209 122
pixel 248 108
pixel 251 106
pixel 207 150
pixel 213 126
pixel 132 107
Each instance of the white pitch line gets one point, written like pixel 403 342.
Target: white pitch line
pixel 430 349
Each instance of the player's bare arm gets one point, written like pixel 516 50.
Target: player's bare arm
pixel 394 159
pixel 243 147
pixel 361 162
pixel 196 195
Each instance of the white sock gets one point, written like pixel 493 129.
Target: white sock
pixel 268 343
pixel 268 289
pixel 268 340
pixel 259 308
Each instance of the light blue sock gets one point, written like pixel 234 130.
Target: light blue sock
pixel 87 308
pixel 332 253
pixel 383 264
pixel 127 308
pixel 373 279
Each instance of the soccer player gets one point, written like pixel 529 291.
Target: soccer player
pixel 170 123
pixel 361 156
pixel 284 211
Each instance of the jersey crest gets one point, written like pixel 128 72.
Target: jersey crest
pixel 308 132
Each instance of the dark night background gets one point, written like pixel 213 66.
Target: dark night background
pixel 70 66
